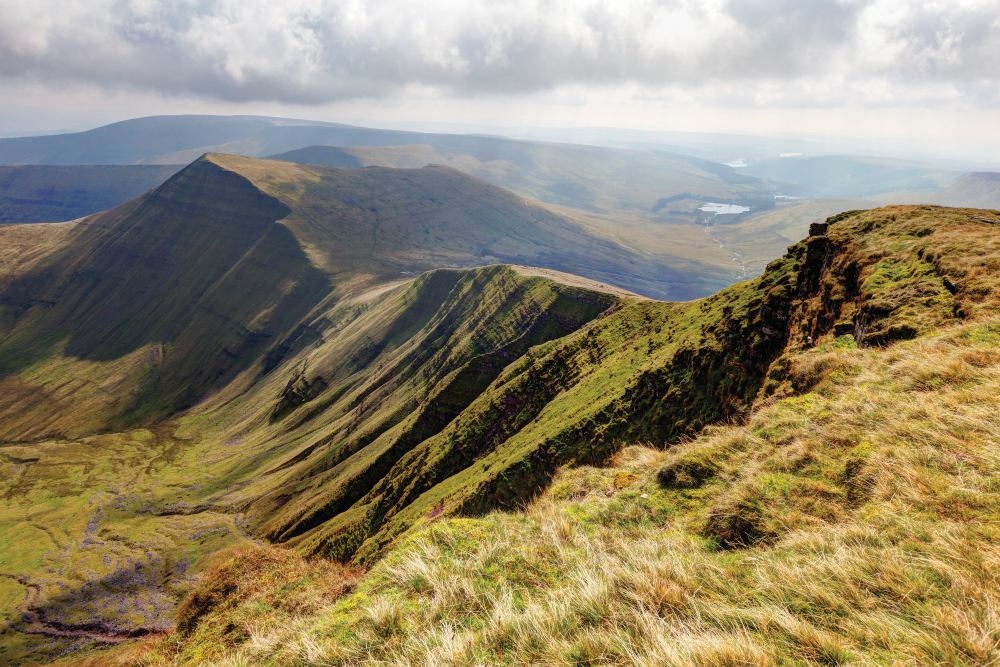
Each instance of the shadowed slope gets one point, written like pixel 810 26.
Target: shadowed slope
pixel 47 194
pixel 197 275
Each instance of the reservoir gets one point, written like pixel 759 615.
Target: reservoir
pixel 723 209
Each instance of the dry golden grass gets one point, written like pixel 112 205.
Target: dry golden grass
pixel 22 246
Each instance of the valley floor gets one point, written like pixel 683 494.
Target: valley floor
pixel 96 548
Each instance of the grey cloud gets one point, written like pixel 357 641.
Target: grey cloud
pixel 950 42
pixel 315 51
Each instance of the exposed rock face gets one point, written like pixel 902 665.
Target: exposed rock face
pixel 299 390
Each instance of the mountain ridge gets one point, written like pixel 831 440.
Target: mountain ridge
pixel 377 406
pixel 736 392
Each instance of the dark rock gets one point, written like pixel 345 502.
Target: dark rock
pixel 818 229
pixel 685 474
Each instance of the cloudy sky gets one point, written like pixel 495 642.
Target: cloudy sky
pixel 925 69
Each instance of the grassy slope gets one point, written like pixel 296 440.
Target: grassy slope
pixel 613 194
pixel 386 221
pixel 398 365
pixel 110 530
pixel 849 518
pixel 873 497
pixel 584 177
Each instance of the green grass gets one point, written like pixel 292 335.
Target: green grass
pixel 463 392
pixel 89 524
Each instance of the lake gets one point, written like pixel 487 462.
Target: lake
pixel 723 209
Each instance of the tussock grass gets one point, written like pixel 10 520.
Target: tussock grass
pixel 872 501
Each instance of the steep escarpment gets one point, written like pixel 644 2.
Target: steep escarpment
pixel 344 418
pixel 644 371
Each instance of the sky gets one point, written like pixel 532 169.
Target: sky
pixel 926 72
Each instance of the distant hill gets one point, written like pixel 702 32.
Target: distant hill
pixel 389 222
pixel 648 200
pixel 585 177
pixel 624 195
pixel 839 176
pixel 560 173
pixel 37 193
pixel 140 140
pixel 975 190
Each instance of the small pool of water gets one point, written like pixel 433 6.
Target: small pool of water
pixel 723 209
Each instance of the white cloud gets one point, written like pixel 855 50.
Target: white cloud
pixel 778 52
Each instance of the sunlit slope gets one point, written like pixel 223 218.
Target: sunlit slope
pixel 853 522
pixel 296 384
